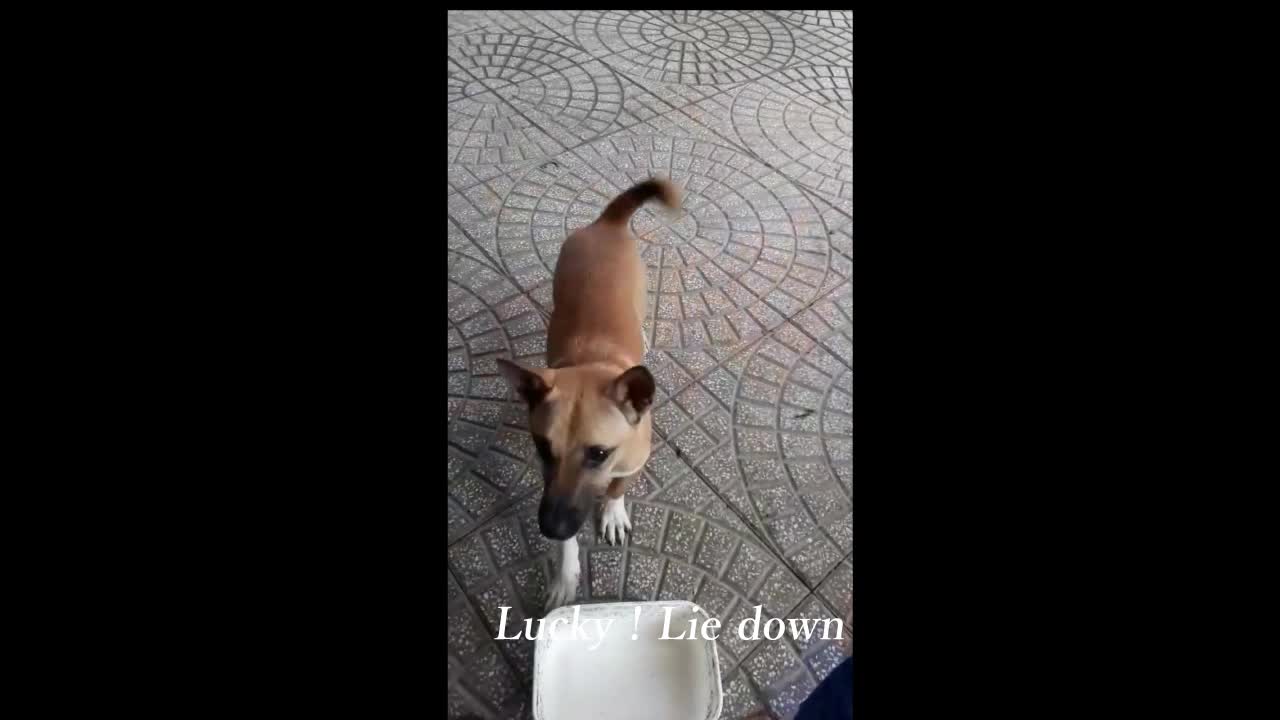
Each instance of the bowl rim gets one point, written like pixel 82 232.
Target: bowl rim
pixel 714 684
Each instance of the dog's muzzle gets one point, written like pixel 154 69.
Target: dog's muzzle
pixel 558 519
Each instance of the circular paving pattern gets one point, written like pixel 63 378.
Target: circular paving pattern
pixel 477 89
pixel 836 427
pixel 465 21
pixel 799 500
pixel 808 135
pixel 746 250
pixel 488 447
pixel 828 84
pixel 553 83
pixel 820 18
pixel 695 47
pixel 790 464
pixel 685 544
pixel 484 131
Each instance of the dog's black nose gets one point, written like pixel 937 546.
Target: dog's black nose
pixel 558 521
pixel 559 530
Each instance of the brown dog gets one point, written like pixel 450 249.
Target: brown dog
pixel 588 409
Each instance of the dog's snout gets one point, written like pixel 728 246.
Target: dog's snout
pixel 558 520
pixel 560 529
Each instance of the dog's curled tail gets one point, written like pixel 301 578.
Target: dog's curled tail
pixel 623 206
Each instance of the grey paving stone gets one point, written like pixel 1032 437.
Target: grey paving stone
pixel 541 22
pixel 465 21
pixel 561 90
pixel 817 18
pixel 838 215
pixel 785 699
pixel 827 632
pixel 488 137
pixel 798 119
pixel 788 467
pixel 841 237
pixel 837 590
pixel 482 682
pixel 781 673
pixel 820 45
pixel 685 545
pixel 695 47
pixel 488 449
pixel 741 699
pixel 770 663
pixel 464 247
pixel 747 249
pixel 830 322
pixel 454 592
pixel 487 134
pixel 677 95
pixel 828 84
pixel 515 98
pixel 572 103
pixel 459 80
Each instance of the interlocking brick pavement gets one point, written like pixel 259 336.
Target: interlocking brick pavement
pixel 747 497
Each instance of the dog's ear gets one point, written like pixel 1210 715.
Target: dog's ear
pixel 633 391
pixel 530 384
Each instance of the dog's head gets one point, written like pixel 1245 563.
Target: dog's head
pixel 590 425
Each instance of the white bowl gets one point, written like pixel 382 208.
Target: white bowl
pixel 624 678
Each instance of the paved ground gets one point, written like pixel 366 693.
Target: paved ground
pixel 746 500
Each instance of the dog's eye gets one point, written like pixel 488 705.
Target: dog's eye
pixel 544 450
pixel 597 454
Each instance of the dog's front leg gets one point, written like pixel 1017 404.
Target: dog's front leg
pixel 614 523
pixel 564 588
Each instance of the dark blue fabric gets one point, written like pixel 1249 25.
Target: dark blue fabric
pixel 833 700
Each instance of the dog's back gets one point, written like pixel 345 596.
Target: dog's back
pixel 600 288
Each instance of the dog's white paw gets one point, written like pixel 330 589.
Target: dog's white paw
pixel 614 523
pixel 563 590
